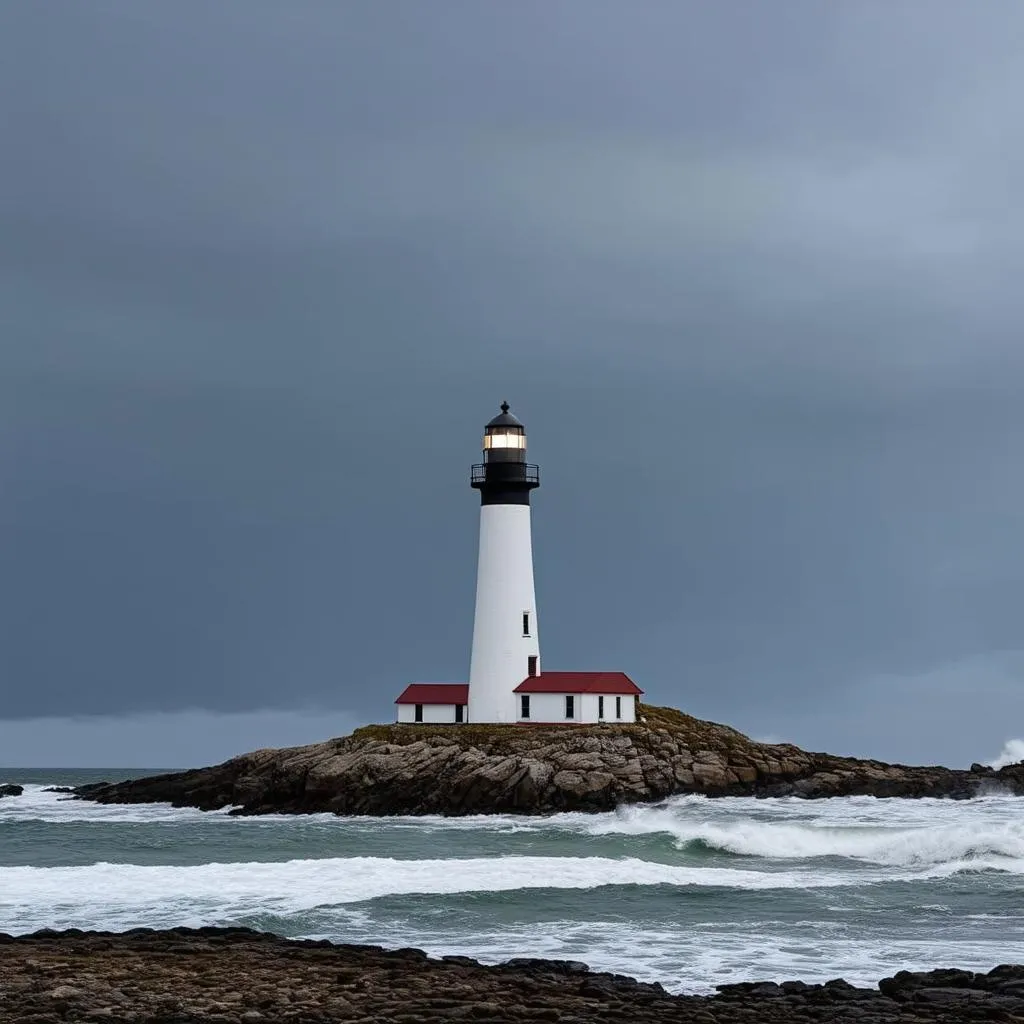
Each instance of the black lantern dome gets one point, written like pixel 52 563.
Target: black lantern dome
pixel 505 419
pixel 505 477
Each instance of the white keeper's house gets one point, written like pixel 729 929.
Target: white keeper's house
pixel 506 683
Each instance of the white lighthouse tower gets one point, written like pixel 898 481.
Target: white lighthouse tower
pixel 506 648
pixel 506 684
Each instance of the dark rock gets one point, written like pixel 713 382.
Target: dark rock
pixel 904 984
pixel 767 990
pixel 533 964
pixel 462 961
pixel 838 985
pixel 232 974
pixel 948 995
pixel 742 989
pixel 10 789
pixel 794 987
pixel 62 789
pixel 1010 988
pixel 598 988
pixel 405 953
pixel 1002 976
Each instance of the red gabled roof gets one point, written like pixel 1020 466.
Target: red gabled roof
pixel 579 682
pixel 435 693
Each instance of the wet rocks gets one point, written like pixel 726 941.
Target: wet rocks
pixel 476 769
pixel 235 975
pixel 9 789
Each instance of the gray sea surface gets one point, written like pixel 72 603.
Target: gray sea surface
pixel 691 892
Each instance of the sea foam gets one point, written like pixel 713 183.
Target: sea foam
pixel 124 895
pixel 923 845
pixel 691 892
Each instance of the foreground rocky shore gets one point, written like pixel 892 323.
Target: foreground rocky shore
pixel 236 976
pixel 465 769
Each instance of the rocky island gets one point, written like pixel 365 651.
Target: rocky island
pixel 237 976
pixel 467 769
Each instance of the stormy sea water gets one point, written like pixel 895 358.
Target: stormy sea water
pixel 692 892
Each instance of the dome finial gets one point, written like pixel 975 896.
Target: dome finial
pixel 505 419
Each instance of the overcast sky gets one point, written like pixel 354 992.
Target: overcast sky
pixel 750 273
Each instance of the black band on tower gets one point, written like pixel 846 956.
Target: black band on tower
pixel 505 483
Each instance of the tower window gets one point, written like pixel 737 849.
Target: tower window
pixel 460 712
pixel 600 707
pixel 524 706
pixel 618 707
pixel 526 623
pixel 531 665
pixel 570 707
pixel 418 714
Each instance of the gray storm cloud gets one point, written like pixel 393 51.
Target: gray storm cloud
pixel 749 275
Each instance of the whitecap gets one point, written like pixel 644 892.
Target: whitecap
pixel 120 895
pixel 780 841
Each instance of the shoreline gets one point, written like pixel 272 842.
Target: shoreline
pixel 465 769
pixel 240 976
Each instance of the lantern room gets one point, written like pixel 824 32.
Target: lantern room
pixel 504 438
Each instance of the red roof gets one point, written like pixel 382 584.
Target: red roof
pixel 435 693
pixel 579 682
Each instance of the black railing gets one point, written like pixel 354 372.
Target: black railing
pixel 504 472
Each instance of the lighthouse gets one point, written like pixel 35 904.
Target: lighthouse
pixel 506 684
pixel 506 648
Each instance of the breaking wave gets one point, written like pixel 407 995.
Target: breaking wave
pixel 296 885
pixel 907 847
pixel 125 895
pixel 690 892
pixel 39 804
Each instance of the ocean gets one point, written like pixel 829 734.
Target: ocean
pixel 691 892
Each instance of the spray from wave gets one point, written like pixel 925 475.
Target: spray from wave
pixel 1012 753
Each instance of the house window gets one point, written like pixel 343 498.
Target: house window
pixel 526 623
pixel 524 706
pixel 600 707
pixel 418 714
pixel 618 707
pixel 570 707
pixel 531 665
pixel 460 712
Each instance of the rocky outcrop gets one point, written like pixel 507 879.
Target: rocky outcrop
pixel 9 789
pixel 466 769
pixel 236 976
